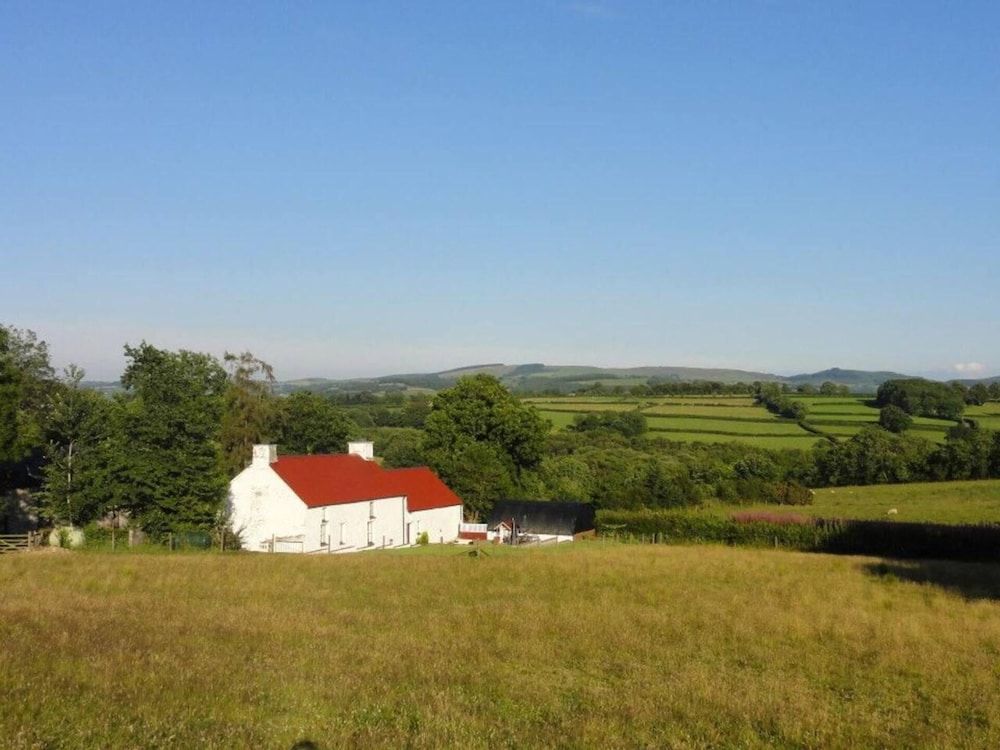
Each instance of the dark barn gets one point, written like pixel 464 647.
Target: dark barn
pixel 565 519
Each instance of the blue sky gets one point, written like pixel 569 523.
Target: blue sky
pixel 372 187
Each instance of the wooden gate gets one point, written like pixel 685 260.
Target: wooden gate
pixel 15 542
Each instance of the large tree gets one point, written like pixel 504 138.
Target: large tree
pixel 480 439
pixel 479 409
pixel 83 447
pixel 923 398
pixel 26 383
pixel 250 409
pixel 170 474
pixel 310 423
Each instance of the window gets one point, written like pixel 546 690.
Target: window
pixel 322 533
pixel 342 533
pixel 371 540
pixel 371 509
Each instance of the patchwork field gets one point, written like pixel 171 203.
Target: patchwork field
pixel 738 419
pixel 585 645
pixel 709 419
pixel 842 416
pixel 975 501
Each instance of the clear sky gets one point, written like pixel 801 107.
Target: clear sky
pixel 351 188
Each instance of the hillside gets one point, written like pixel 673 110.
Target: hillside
pixel 538 377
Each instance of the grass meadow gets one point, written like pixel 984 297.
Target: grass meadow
pixel 585 645
pixel 976 501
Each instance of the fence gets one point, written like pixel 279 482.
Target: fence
pixel 17 542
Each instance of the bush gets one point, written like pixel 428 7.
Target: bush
pixel 894 419
pixel 423 538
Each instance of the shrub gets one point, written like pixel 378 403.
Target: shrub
pixel 423 538
pixel 894 419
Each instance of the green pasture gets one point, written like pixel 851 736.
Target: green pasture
pixel 705 419
pixel 937 502
pixel 723 426
pixel 736 418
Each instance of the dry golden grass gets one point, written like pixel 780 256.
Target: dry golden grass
pixel 593 646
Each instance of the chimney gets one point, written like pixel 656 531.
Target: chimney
pixel 365 449
pixel 264 455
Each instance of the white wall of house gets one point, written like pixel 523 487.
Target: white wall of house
pixel 261 505
pixel 351 527
pixel 441 524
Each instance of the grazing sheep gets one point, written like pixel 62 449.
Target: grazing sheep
pixel 891 512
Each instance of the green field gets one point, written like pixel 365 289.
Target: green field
pixel 975 501
pixel 726 419
pixel 585 645
pixel 843 417
pixel 987 415
pixel 706 419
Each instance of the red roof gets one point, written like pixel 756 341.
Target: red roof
pixel 344 478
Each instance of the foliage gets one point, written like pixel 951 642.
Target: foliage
pixel 249 411
pixel 894 419
pixel 26 381
pixel 477 472
pixel 309 423
pixel 479 409
pixel 169 472
pixel 82 444
pixel 481 440
pixel 921 397
pixel 628 423
pixel 775 400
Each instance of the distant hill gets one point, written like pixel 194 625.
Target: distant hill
pixel 863 381
pixel 535 377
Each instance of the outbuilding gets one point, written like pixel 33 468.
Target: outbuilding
pixel 338 503
pixel 546 521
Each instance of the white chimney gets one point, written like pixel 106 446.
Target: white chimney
pixel 365 449
pixel 264 455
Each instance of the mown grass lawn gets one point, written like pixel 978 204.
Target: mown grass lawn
pixel 594 645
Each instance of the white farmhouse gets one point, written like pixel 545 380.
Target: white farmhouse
pixel 338 503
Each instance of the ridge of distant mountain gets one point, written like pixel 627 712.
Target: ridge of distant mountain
pixel 538 377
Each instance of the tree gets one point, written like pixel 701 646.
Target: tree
pixel 169 471
pixel 978 394
pixel 249 412
pixel 479 409
pixel 80 448
pixel 828 388
pixel 26 381
pixel 481 439
pixel 894 419
pixel 309 423
pixel 476 472
pixel 923 398
pixel 10 399
pixel 628 423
